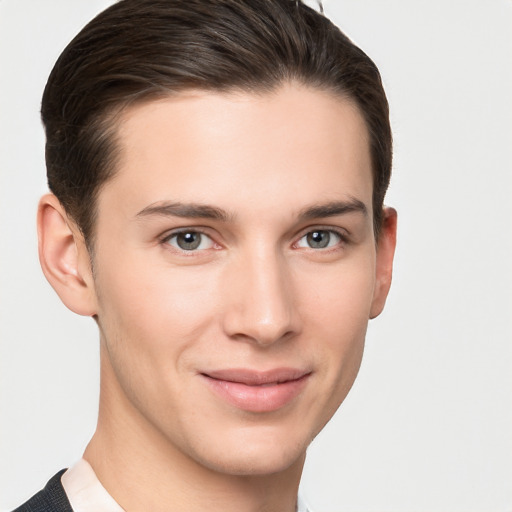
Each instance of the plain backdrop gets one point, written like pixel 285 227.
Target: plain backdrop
pixel 428 424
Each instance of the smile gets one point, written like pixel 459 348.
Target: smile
pixel 256 391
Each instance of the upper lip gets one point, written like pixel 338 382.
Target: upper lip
pixel 257 377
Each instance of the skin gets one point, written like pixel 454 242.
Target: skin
pixel 254 295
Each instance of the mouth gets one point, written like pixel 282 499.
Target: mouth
pixel 257 391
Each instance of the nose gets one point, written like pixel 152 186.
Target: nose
pixel 261 306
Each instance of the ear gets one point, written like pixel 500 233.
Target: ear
pixel 64 257
pixel 384 264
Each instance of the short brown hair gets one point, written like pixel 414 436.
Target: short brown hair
pixel 137 50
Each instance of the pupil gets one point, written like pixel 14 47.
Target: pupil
pixel 318 239
pixel 188 241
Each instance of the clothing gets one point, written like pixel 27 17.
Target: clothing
pixel 79 490
pixel 51 499
pixel 85 492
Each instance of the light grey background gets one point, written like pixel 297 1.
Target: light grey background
pixel 428 425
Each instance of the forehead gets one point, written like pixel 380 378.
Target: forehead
pixel 295 144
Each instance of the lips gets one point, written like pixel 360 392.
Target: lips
pixel 257 391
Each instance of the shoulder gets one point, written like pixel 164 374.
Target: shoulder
pixel 50 499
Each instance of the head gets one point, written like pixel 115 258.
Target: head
pixel 222 166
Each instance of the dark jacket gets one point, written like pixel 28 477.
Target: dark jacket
pixel 51 499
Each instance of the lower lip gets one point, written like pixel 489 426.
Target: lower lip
pixel 263 398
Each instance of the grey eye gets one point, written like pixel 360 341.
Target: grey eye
pixel 190 241
pixel 319 239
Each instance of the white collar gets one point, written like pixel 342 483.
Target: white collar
pixel 86 494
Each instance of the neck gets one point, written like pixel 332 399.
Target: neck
pixel 142 470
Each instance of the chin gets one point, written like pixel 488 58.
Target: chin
pixel 261 455
pixel 259 464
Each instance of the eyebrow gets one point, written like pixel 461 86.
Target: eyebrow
pixel 205 211
pixel 333 209
pixel 185 210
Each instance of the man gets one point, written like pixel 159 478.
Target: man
pixel 218 171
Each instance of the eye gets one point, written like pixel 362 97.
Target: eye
pixel 190 241
pixel 320 239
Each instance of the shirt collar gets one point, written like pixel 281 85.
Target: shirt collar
pixel 86 494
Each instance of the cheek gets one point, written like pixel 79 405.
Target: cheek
pixel 339 300
pixel 154 311
pixel 151 319
pixel 338 312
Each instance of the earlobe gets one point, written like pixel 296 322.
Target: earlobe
pixel 64 257
pixel 384 265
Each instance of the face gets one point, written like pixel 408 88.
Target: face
pixel 235 272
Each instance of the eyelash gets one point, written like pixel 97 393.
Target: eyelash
pixel 169 236
pixel 342 235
